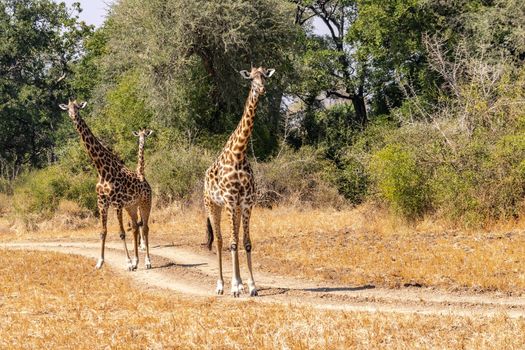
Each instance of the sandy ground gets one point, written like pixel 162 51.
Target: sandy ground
pixel 194 272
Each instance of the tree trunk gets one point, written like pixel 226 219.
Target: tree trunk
pixel 358 101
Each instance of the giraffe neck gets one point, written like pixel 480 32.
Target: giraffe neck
pixel 140 161
pixel 99 154
pixel 238 141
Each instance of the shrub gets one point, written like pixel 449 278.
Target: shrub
pixel 297 177
pixel 5 204
pixel 40 191
pixel 353 181
pixel 177 173
pixel 5 186
pixel 400 181
pixel 82 191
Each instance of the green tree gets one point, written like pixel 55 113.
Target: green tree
pixel 329 64
pixel 38 41
pixel 188 54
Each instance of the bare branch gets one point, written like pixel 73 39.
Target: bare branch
pixel 338 94
pixel 62 77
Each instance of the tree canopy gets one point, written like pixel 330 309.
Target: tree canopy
pixel 39 43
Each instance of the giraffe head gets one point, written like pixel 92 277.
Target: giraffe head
pixel 258 77
pixel 73 107
pixel 142 134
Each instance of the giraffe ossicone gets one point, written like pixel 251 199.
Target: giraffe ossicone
pixel 229 183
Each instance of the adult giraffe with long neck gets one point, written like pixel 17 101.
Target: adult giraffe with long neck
pixel 229 183
pixel 141 134
pixel 117 186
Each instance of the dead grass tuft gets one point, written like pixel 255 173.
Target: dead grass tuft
pixel 5 204
pixel 69 216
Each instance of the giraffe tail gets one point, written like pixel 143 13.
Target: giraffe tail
pixel 209 231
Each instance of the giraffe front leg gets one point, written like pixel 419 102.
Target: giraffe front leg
pixel 214 215
pixel 122 236
pixel 246 213
pixel 103 212
pixel 135 260
pixel 234 217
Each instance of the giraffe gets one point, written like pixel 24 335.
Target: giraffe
pixel 229 183
pixel 141 134
pixel 117 186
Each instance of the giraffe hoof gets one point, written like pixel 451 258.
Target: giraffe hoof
pixel 220 288
pixel 240 288
pixel 253 293
pixel 99 264
pixel 236 294
pixel 134 264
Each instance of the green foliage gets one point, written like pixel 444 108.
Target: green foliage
pixel 87 72
pixel 418 103
pixel 189 76
pixel 38 40
pixel 176 173
pixel 487 184
pixel 125 112
pixel 400 180
pixel 353 181
pixel 40 192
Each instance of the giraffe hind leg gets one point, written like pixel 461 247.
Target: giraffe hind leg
pixel 246 213
pixel 123 236
pixel 141 235
pixel 145 210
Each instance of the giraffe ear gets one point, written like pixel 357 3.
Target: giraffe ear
pixel 245 74
pixel 269 73
pixel 63 106
pixel 82 105
pixel 148 132
pixel 135 133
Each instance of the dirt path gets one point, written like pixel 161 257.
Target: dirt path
pixel 195 273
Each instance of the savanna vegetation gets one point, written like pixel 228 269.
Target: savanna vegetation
pixel 390 132
pixel 42 312
pixel 415 106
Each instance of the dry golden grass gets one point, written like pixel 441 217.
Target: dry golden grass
pixel 54 301
pixel 351 247
pixel 366 246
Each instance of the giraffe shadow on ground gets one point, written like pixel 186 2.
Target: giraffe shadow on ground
pixel 338 289
pixel 271 291
pixel 169 245
pixel 172 264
